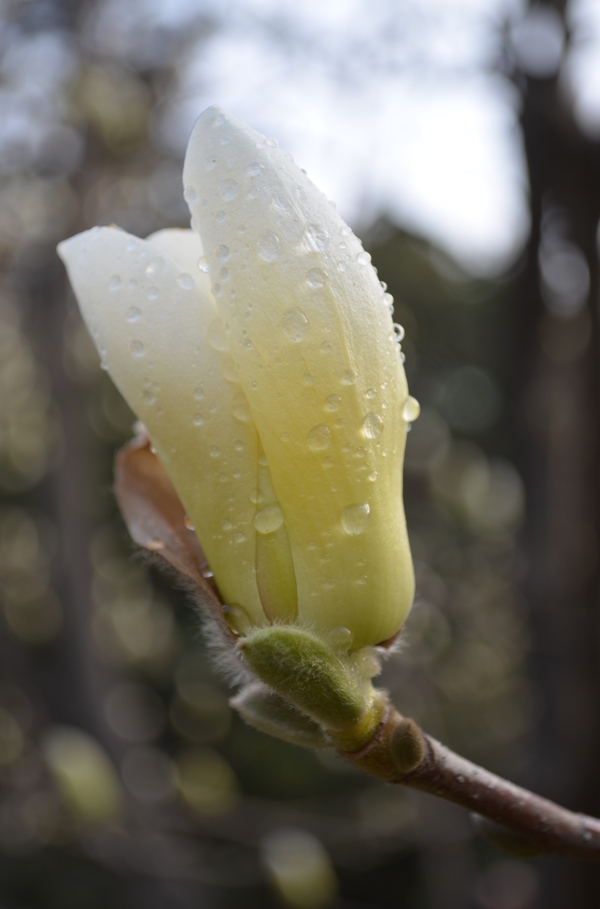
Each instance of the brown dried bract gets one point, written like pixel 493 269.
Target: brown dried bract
pixel 156 518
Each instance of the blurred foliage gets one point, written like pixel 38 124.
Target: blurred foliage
pixel 125 778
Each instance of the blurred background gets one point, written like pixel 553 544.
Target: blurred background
pixel 461 140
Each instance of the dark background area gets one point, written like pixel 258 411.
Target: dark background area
pixel 125 779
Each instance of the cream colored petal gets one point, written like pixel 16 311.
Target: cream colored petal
pixel 313 339
pixel 159 336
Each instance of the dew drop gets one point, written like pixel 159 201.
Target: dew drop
pixel 282 204
pixel 136 348
pixel 319 438
pixel 363 258
pixel 217 335
pixel 316 237
pixel 268 246
pixel 203 265
pixel 190 195
pixel 214 451
pixel 153 293
pixel 308 378
pixel 241 409
pixel 411 409
pixel 295 325
pixel 271 142
pixel 188 523
pixel 114 283
pixel 262 459
pixel 315 278
pixel 372 476
pixel 372 426
pixel 198 419
pixel 253 170
pixel 226 525
pixel 230 369
pixel 332 403
pixel 228 189
pixel 355 519
pixel 223 252
pixel 399 332
pixel 349 377
pixel 326 346
pixel 268 519
pixel 133 314
pixel 237 618
pixel 224 274
pixel 155 266
pixel 341 639
pixel 185 281
pixel 371 393
pixel 328 462
pixel 198 393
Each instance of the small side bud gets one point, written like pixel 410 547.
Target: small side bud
pixel 407 747
pixel 308 673
pixel 504 839
pixel 268 712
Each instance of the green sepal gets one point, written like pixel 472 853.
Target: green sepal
pixel 266 711
pixel 306 672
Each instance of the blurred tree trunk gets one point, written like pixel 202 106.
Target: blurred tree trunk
pixel 558 409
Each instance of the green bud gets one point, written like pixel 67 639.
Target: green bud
pixel 308 673
pixel 407 746
pixel 268 712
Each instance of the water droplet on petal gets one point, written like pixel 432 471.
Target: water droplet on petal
pixel 355 519
pixel 411 409
pixel 237 618
pixel 341 639
pixel 228 189
pixel 399 331
pixel 349 377
pixel 133 314
pixel 114 283
pixel 315 278
pixel 217 335
pixel 214 451
pixel 253 170
pixel 155 266
pixel 295 325
pixel 241 409
pixel 185 281
pixel 271 142
pixel 371 393
pixel 363 258
pixel 203 265
pixel 372 476
pixel 198 419
pixel 332 403
pixel 136 348
pixel 188 522
pixel 316 237
pixel 223 252
pixel 319 438
pixel 372 426
pixel 268 519
pixel 268 246
pixel 153 293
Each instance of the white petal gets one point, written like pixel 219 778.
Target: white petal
pixel 158 333
pixel 313 339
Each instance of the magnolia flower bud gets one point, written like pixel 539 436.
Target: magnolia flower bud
pixel 259 351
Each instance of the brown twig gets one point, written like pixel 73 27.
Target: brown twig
pixel 535 821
